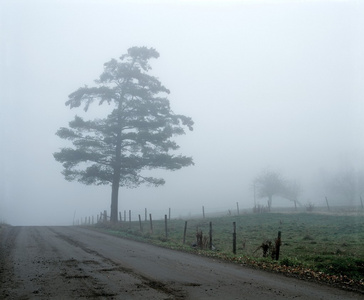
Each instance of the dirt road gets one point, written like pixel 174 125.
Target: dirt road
pixel 74 263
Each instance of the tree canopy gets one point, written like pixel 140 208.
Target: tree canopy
pixel 291 191
pixel 346 185
pixel 136 135
pixel 270 183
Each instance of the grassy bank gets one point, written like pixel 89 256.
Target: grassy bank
pixel 325 247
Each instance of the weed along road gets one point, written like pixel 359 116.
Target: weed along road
pixel 73 263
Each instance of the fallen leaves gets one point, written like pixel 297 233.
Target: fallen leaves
pixel 301 272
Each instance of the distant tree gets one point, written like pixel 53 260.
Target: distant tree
pixel 291 190
pixel 346 184
pixel 269 184
pixel 360 184
pixel 136 135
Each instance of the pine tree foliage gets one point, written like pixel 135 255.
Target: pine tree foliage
pixel 136 135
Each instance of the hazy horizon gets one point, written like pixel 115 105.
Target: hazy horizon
pixel 270 86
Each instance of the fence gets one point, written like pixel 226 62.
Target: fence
pixel 205 230
pixel 199 232
pixel 130 216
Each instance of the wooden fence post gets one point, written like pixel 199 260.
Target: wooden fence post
pixel 165 225
pixel 129 218
pixel 278 245
pixel 125 216
pixel 210 236
pixel 169 213
pixel 237 207
pixel 184 233
pixel 120 216
pixel 140 224
pixel 151 223
pixel 203 212
pixel 105 216
pixel 234 238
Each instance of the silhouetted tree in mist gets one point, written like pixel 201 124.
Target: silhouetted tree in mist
pixel 347 185
pixel 269 184
pixel 291 190
pixel 136 135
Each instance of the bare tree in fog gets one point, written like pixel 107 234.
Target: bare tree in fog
pixel 291 191
pixel 135 136
pixel 347 185
pixel 269 184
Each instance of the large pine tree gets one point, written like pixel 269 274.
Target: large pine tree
pixel 135 136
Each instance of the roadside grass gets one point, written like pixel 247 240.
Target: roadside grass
pixel 319 246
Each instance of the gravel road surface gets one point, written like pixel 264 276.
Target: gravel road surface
pixel 77 263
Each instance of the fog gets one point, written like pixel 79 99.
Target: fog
pixel 270 85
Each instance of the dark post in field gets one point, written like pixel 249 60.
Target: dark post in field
pixel 237 207
pixel 210 236
pixel 184 233
pixel 105 216
pixel 278 245
pixel 169 213
pixel 120 216
pixel 129 218
pixel 234 238
pixel 151 223
pixel 124 215
pixel 165 225
pixel 146 215
pixel 140 223
pixel 203 212
pixel 327 203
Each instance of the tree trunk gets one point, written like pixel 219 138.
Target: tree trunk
pixel 114 198
pixel 116 179
pixel 269 202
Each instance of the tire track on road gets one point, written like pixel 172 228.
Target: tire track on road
pixel 117 267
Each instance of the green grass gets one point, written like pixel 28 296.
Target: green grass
pixel 328 245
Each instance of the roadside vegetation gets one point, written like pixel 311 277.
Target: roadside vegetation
pixel 322 247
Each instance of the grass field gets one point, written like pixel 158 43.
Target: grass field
pixel 328 247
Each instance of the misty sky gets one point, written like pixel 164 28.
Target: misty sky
pixel 275 85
